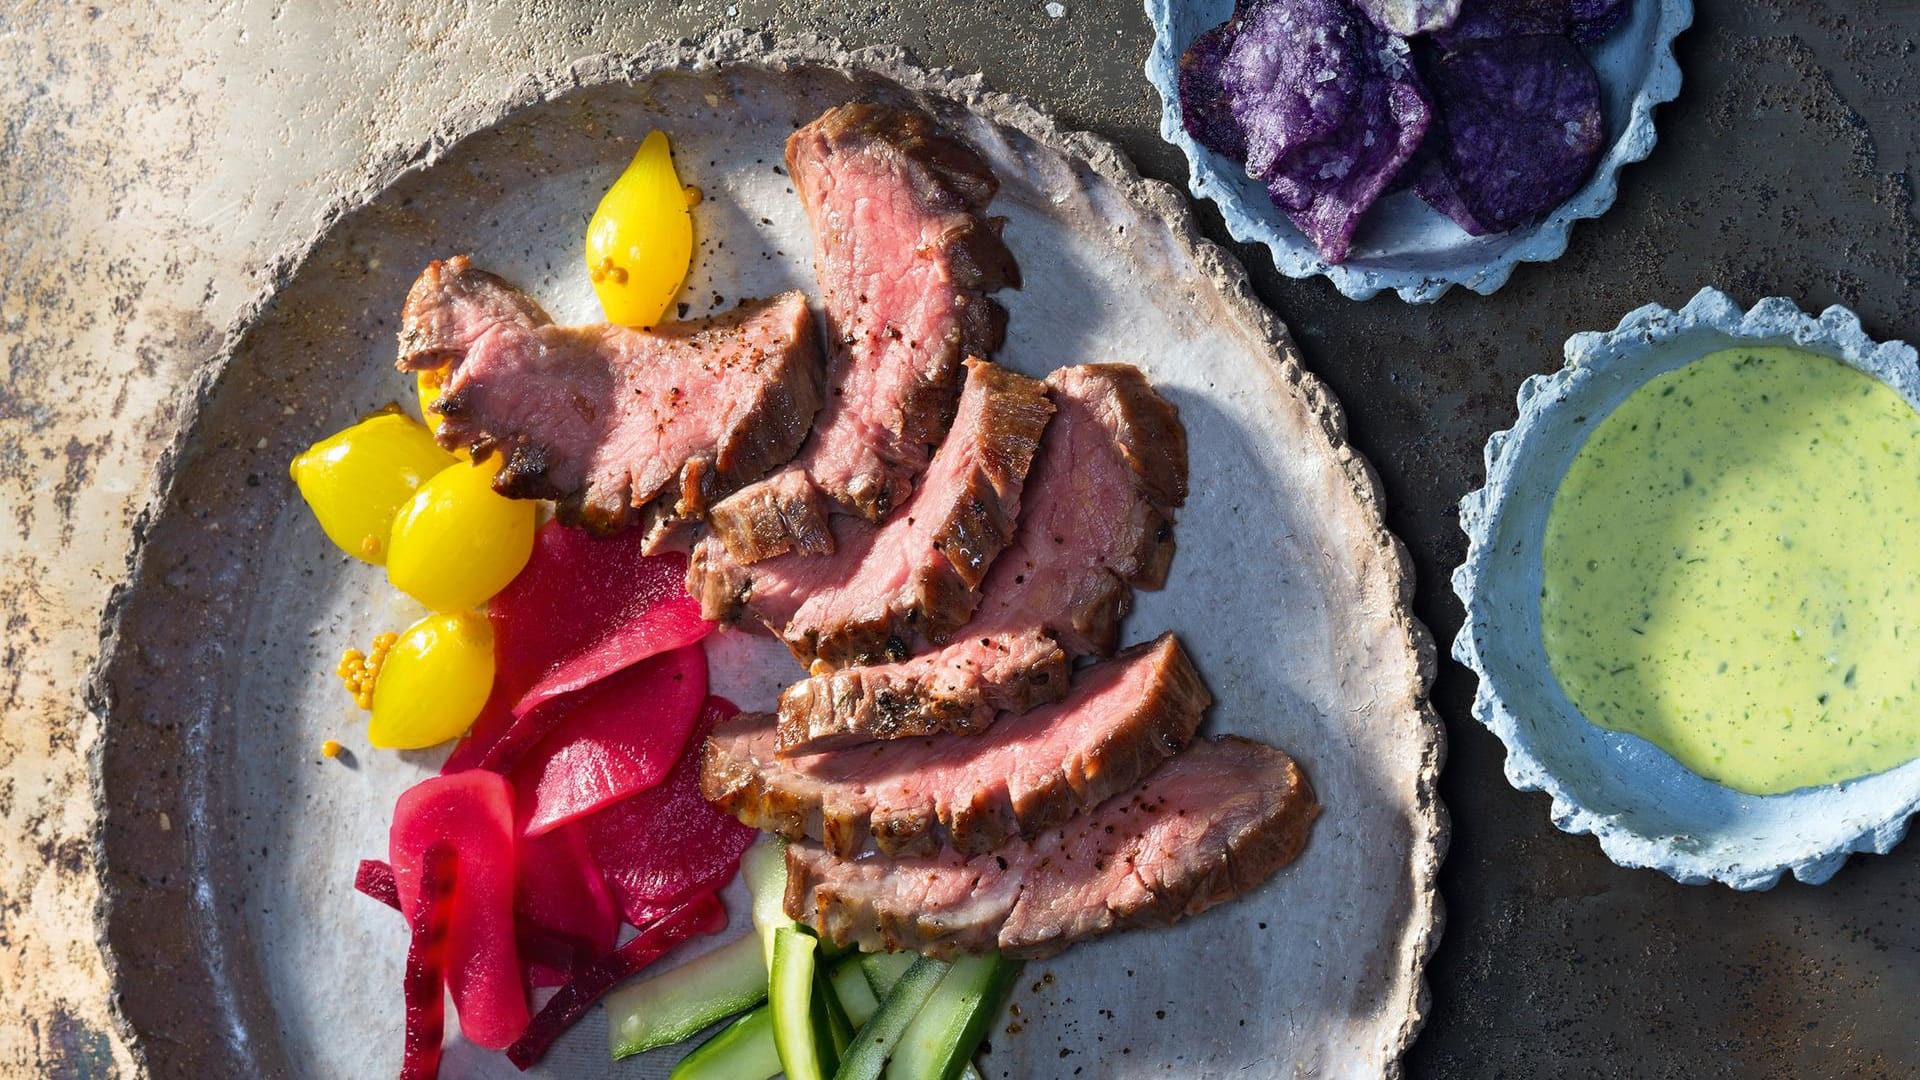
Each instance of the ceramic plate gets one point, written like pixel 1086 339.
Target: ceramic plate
pixel 239 945
pixel 1403 244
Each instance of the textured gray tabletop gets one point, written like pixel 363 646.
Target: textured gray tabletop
pixel 153 160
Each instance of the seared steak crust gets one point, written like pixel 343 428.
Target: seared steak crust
pixel 914 796
pixel 1097 523
pixel 958 689
pixel 905 255
pixel 914 580
pixel 1214 822
pixel 614 424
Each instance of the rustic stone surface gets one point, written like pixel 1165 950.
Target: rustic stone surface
pixel 153 164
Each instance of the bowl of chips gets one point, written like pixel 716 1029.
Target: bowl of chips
pixel 1411 145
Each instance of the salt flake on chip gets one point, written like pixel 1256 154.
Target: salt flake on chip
pixel 1409 17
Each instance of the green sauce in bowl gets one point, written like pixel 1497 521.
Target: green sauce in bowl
pixel 1731 570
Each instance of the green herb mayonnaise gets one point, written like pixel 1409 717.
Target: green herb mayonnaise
pixel 1732 571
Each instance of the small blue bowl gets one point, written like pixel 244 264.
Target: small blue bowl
pixel 1646 809
pixel 1403 244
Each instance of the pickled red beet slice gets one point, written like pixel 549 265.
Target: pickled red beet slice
pixel 621 737
pixel 667 844
pixel 375 879
pixel 669 624
pixel 472 812
pixel 583 608
pixel 566 914
pixel 702 915
pixel 425 977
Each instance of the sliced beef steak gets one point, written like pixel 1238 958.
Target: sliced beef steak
pixel 1214 822
pixel 914 796
pixel 905 256
pixel 887 589
pixel 1097 523
pixel 615 424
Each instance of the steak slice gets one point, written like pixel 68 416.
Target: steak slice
pixel 1214 822
pixel 886 589
pixel 905 256
pixel 615 424
pixel 1097 522
pixel 914 796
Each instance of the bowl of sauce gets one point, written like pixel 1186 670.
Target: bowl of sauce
pixel 1693 591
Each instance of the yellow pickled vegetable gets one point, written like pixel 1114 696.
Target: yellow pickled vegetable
pixel 435 679
pixel 640 241
pixel 356 479
pixel 457 541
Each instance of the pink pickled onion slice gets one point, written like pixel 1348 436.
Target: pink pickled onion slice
pixel 375 879
pixel 620 737
pixel 666 844
pixel 425 979
pixel 583 608
pixel 566 915
pixel 702 915
pixel 473 813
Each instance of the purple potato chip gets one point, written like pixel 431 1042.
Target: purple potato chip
pixel 1595 19
pixel 1292 75
pixel 1326 186
pixel 1204 110
pixel 1506 18
pixel 1522 126
pixel 1409 17
pixel 1436 189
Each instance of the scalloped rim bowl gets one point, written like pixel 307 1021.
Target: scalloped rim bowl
pixel 1404 245
pixel 1643 806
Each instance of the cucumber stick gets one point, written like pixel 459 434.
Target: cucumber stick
pixel 765 868
pixel 673 1006
pixel 828 1014
pixel 878 1037
pixel 799 1021
pixel 883 969
pixel 855 993
pixel 743 1050
pixel 940 1042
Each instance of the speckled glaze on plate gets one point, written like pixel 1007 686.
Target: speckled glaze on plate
pixel 1403 244
pixel 1645 808
pixel 239 946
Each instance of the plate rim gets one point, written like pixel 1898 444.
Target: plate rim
pixel 969 90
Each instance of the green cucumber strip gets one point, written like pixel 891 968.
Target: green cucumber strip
pixel 829 1016
pixel 884 969
pixel 855 994
pixel 765 868
pixel 940 1042
pixel 743 1050
pixel 875 1042
pixel 676 1004
pixel 804 1055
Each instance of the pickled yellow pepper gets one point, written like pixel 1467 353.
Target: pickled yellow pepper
pixel 640 241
